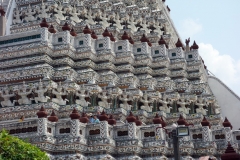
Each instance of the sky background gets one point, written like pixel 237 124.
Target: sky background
pixel 215 25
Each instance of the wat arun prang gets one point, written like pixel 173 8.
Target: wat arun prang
pixel 67 59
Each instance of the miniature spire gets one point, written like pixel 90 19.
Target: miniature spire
pixel 3 21
pixel 226 123
pixel 230 153
pixel 205 122
pixel 131 40
pixel 93 35
pixel 138 122
pixel 125 36
pixel 103 116
pixel 111 120
pixel 131 118
pixel 53 117
pixel 86 30
pixel 44 23
pixel 66 27
pixel 145 39
pixel 42 113
pixel 112 38
pixel 2 12
pixel 157 119
pixel 194 46
pixel 84 118
pixel 73 33
pixel 51 29
pixel 179 43
pixel 162 41
pixel 182 121
pixel 106 33
pixel 75 114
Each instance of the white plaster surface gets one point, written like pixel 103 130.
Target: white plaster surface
pixel 228 101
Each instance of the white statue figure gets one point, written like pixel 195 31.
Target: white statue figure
pixel 104 100
pixel 200 103
pixel 59 14
pixel 24 93
pixel 164 106
pixel 104 21
pixel 6 98
pixel 75 15
pixel 29 15
pixel 146 102
pixel 145 26
pixel 90 20
pixel 82 95
pixel 158 28
pixel 166 28
pixel 132 24
pixel 16 19
pixel 43 13
pixel 40 92
pixel 59 92
pixel 125 98
pixel 118 22
pixel 183 102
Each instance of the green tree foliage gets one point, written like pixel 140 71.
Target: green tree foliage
pixel 13 148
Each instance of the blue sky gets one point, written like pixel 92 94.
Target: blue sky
pixel 215 25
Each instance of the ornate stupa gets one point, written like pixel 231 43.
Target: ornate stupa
pixel 121 60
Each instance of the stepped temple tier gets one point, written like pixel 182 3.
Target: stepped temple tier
pixel 106 80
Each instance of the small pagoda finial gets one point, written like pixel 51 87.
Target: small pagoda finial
pixel 226 123
pixel 112 37
pixel 2 12
pixel 131 118
pixel 75 114
pixel 51 29
pixel 179 44
pixel 131 40
pixel 145 39
pixel 42 113
pixel 53 117
pixel 66 27
pixel 162 42
pixel 125 36
pixel 182 121
pixel 111 120
pixel 106 33
pixel 44 23
pixel 205 122
pixel 138 122
pixel 194 46
pixel 157 119
pixel 103 116
pixel 93 35
pixel 230 153
pixel 73 33
pixel 86 30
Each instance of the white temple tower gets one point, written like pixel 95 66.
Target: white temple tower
pixel 65 60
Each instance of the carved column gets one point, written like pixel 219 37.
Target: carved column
pixel 2 25
pixel 206 134
pixel 104 129
pixel 75 127
pixel 132 130
pixel 42 126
